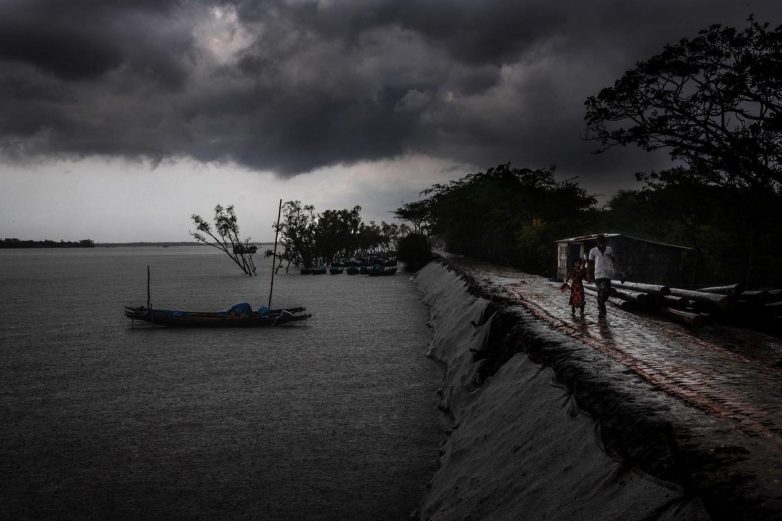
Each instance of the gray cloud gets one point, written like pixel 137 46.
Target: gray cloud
pixel 291 86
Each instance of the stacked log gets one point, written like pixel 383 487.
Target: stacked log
pixel 635 297
pixel 653 289
pixel 731 303
pixel 590 289
pixel 774 307
pixel 683 317
pixel 730 289
pixel 676 302
pixel 704 299
pixel 751 302
pixel 774 295
pixel 755 296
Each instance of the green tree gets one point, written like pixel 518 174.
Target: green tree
pixel 418 213
pixel 508 215
pixel 296 234
pixel 225 237
pixel 414 250
pixel 715 103
pixel 336 232
pixel 677 208
pixel 310 238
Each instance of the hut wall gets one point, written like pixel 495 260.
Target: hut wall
pixel 648 262
pixel 562 260
pixel 567 252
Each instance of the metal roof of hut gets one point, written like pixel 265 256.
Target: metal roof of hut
pixel 592 237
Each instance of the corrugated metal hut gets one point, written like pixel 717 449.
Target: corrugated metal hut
pixel 641 259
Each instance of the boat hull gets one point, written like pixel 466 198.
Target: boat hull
pixel 382 272
pixel 196 319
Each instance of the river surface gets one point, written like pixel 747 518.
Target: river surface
pixel 335 419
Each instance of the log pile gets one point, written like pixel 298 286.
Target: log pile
pixel 730 304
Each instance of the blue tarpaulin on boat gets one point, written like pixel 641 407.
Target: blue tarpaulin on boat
pixel 243 308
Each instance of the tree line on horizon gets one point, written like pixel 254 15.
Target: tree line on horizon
pixel 306 238
pixel 46 243
pixel 714 103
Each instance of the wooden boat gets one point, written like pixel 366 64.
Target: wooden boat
pixel 379 271
pixel 237 316
pixel 240 315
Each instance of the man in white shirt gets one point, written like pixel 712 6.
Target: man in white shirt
pixel 602 263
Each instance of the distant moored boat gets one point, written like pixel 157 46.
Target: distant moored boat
pixel 240 315
pixel 379 271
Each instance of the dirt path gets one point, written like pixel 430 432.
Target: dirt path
pixel 726 372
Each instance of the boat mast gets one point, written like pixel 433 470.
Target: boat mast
pixel 149 302
pixel 274 254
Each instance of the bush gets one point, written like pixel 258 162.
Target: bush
pixel 415 251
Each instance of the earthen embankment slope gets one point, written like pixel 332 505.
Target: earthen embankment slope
pixel 561 419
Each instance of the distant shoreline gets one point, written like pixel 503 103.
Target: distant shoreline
pixel 11 244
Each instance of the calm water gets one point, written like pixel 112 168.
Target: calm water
pixel 333 420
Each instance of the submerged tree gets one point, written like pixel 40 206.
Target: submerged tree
pixel 336 233
pixel 296 234
pixel 310 238
pixel 225 237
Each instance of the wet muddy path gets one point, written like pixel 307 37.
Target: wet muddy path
pixel 727 372
pixel 701 407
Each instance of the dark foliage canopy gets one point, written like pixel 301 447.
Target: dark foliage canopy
pixel 677 208
pixel 415 251
pixel 714 101
pixel 506 214
pixel 309 238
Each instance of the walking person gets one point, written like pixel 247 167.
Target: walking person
pixel 577 297
pixel 602 264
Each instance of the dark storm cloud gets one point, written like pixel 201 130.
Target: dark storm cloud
pixel 295 85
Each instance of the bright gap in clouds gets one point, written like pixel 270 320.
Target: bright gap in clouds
pixel 117 201
pixel 220 32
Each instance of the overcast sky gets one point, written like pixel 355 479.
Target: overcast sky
pixel 121 118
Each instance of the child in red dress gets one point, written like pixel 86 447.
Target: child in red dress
pixel 577 275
